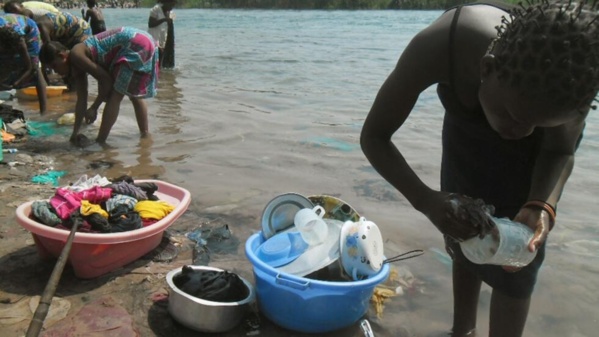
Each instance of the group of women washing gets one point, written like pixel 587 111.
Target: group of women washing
pixel 36 38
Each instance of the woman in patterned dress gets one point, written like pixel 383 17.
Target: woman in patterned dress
pixel 124 61
pixel 19 55
pixel 63 27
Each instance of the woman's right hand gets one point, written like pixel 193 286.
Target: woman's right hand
pixel 458 216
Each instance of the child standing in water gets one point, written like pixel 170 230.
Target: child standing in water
pixel 516 84
pixel 95 17
pixel 124 61
pixel 161 27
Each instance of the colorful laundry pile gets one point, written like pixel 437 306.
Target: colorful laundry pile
pixel 14 124
pixel 102 205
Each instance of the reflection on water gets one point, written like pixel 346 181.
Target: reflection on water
pixel 169 103
pixel 112 161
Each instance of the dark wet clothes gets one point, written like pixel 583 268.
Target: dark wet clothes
pixel 98 26
pixel 478 163
pixel 168 59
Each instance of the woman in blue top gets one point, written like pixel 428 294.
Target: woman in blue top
pixel 19 54
pixel 123 60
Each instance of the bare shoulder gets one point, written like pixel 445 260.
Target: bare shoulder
pixel 43 21
pixel 426 59
pixel 477 24
pixel 80 54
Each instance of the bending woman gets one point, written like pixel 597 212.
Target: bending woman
pixel 124 61
pixel 19 55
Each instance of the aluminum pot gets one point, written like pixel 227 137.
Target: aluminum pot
pixel 202 315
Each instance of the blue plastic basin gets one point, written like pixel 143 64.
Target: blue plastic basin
pixel 307 305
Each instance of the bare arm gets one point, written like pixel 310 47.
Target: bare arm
pixel 422 64
pixel 29 66
pixel 80 82
pixel 551 172
pixel 43 25
pixel 81 59
pixel 555 161
pixel 82 64
pixel 153 22
pixel 40 86
pixel 414 72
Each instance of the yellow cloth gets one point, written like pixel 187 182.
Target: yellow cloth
pixel 153 209
pixel 87 208
pixel 40 5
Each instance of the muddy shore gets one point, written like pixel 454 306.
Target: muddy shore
pixel 135 296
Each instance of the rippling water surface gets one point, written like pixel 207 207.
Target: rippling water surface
pixel 267 102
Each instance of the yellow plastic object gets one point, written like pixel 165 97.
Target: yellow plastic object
pixel 31 92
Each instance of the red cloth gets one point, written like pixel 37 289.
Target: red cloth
pixel 96 195
pixel 65 202
pixel 148 222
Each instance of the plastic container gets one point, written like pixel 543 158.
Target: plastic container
pixel 95 254
pixel 310 225
pixel 307 305
pixel 507 247
pixel 282 249
pixel 31 92
pixel 203 315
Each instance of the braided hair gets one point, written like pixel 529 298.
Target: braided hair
pixel 550 50
pixel 9 39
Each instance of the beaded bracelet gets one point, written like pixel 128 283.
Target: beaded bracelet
pixel 544 206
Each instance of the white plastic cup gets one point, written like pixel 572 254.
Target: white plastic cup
pixel 311 226
pixel 507 248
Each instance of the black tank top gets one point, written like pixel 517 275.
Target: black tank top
pixel 476 161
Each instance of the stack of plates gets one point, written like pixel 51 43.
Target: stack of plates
pixel 279 213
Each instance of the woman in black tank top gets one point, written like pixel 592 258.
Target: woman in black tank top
pixel 516 85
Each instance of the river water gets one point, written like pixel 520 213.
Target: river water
pixel 267 102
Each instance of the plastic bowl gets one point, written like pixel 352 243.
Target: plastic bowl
pixel 307 305
pixel 282 248
pixel 202 315
pixel 31 92
pixel 95 254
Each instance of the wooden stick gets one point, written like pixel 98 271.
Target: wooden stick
pixel 43 306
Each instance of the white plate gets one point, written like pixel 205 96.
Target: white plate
pixel 279 213
pixel 319 256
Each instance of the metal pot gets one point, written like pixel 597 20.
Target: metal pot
pixel 202 315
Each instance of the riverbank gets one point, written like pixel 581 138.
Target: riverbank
pixel 129 301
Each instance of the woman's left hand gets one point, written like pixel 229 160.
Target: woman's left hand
pixel 540 222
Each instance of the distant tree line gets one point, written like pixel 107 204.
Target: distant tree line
pixel 317 4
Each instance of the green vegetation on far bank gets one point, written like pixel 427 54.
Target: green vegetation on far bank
pixel 317 4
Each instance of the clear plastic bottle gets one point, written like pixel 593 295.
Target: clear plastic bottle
pixel 508 246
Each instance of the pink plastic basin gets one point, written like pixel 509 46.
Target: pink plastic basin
pixel 95 254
